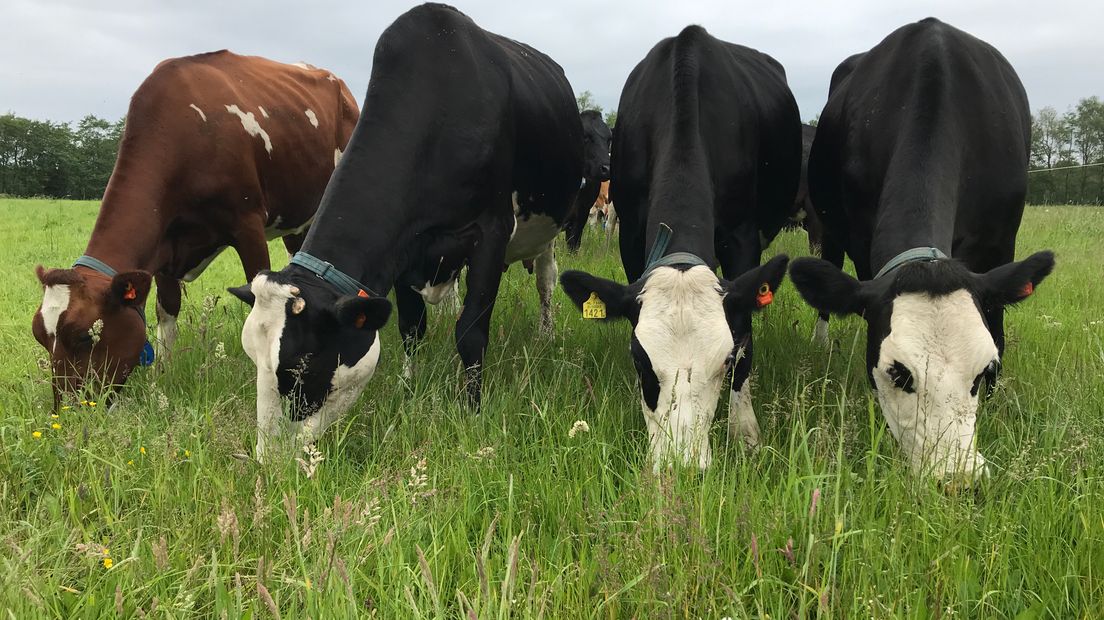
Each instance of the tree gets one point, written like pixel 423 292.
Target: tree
pixel 586 101
pixel 611 118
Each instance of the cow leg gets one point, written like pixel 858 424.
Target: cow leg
pixel 168 308
pixel 412 324
pixel 252 247
pixel 546 281
pixel 473 326
pixel 831 251
pixel 293 242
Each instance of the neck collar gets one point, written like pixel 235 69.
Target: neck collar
pixel 912 255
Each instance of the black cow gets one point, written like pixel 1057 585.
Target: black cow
pixel 469 153
pixel 921 154
pixel 596 169
pixel 803 214
pixel 706 159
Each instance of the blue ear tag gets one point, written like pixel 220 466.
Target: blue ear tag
pixel 146 358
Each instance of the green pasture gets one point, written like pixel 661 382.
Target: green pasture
pixel 419 508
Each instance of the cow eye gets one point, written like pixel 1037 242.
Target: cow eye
pixel 990 372
pixel 901 377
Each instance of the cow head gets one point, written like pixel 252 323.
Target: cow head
pixel 311 346
pixel 91 326
pixel 929 347
pixel 682 344
pixel 596 146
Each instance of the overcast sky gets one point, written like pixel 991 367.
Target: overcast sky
pixel 63 59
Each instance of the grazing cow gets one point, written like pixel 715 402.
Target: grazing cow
pixel 706 160
pixel 596 174
pixel 804 215
pixel 219 150
pixel 469 152
pixel 919 171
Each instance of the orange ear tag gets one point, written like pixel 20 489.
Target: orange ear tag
pixel 130 293
pixel 765 296
pixel 359 322
pixel 361 293
pixel 1027 290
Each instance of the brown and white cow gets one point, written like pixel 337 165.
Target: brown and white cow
pixel 219 150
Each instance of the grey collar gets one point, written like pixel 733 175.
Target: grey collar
pixel 911 255
pixel 657 258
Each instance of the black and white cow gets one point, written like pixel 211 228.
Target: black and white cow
pixel 469 154
pixel 596 169
pixel 919 171
pixel 706 158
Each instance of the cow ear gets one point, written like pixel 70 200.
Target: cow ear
pixel 362 312
pixel 1015 282
pixel 244 293
pixel 130 288
pixel 599 298
pixel 40 273
pixel 755 288
pixel 826 287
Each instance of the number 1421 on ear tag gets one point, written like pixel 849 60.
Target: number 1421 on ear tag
pixel 594 308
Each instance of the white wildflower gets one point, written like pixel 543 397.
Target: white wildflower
pixel 220 351
pixel 580 426
pixel 310 464
pixel 485 453
pixel 95 331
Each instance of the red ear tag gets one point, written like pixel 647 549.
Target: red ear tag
pixel 1028 289
pixel 765 296
pixel 359 322
pixel 130 293
pixel 361 293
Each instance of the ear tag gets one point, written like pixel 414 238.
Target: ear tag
pixel 130 293
pixel 765 296
pixel 1027 290
pixel 594 308
pixel 145 358
pixel 361 293
pixel 359 322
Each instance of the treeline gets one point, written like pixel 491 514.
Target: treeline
pixel 63 160
pixel 57 160
pixel 1067 155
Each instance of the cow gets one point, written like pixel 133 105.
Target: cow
pixel 469 152
pixel 804 215
pixel 596 174
pixel 219 150
pixel 919 171
pixel 706 159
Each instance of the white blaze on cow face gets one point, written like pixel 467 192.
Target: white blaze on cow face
pixel 198 111
pixel 683 330
pixel 929 370
pixel 261 336
pixel 55 300
pixel 311 117
pixel 252 127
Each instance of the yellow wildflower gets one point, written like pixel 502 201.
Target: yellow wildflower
pixel 54 416
pixel 55 426
pixel 142 449
pixel 308 583
pixel 91 403
pixel 187 454
pixel 37 434
pixel 106 551
pixel 130 462
pixel 107 562
pixel 66 408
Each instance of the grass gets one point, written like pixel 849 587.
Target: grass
pixel 422 509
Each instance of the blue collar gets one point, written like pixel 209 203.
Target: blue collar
pixel 657 258
pixel 95 264
pixel 911 256
pixel 340 280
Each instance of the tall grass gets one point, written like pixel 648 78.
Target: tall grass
pixel 419 508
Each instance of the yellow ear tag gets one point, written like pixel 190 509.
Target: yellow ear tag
pixel 594 308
